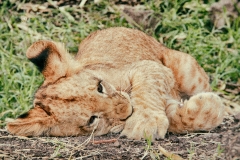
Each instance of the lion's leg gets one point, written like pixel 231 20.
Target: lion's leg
pixel 151 83
pixel 203 111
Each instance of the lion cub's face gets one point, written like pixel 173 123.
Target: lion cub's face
pixel 71 101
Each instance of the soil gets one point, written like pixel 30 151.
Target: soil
pixel 220 143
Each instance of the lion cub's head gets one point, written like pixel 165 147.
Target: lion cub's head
pixel 72 101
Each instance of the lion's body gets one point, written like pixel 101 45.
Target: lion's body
pixel 121 79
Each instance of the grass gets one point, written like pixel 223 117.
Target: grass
pixel 182 25
pixel 148 148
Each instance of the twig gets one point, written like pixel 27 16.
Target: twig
pixel 104 141
pixel 169 154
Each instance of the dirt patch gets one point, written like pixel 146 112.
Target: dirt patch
pixel 221 143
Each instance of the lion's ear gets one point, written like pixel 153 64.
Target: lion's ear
pixel 51 59
pixel 35 122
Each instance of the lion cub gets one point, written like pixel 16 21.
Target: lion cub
pixel 121 80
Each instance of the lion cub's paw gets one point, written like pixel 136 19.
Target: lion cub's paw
pixel 203 111
pixel 145 124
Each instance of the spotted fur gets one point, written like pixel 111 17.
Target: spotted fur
pixel 121 80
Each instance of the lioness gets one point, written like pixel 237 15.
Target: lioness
pixel 121 80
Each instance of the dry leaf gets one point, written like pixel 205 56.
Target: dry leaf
pixel 222 10
pixel 28 7
pixel 138 16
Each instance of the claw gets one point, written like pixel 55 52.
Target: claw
pixel 181 103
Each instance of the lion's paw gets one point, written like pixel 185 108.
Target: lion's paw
pixel 146 124
pixel 203 111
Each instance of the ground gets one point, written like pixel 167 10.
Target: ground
pixel 221 143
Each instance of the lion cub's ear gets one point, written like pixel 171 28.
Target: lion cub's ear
pixel 51 58
pixel 35 122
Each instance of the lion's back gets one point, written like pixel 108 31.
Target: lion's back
pixel 119 45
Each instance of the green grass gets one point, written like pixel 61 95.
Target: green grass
pixel 182 25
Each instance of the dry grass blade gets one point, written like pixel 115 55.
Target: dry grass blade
pixel 232 107
pixel 169 154
pixel 82 3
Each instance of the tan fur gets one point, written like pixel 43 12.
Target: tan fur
pixel 120 81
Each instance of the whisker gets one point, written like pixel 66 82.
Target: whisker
pixel 128 89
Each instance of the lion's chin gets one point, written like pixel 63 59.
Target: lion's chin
pixel 117 129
